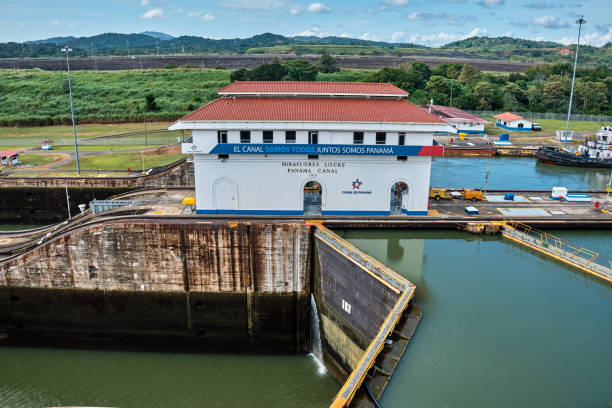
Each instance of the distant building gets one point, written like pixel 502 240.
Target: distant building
pixel 510 121
pixel 459 119
pixel 294 148
pixel 9 157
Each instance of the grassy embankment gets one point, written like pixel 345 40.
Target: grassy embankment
pixel 548 126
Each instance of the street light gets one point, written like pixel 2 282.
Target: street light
pixel 580 22
pixel 76 149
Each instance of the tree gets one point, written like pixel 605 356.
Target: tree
pixel 272 71
pixel 591 96
pixel 301 70
pixel 241 74
pixel 468 74
pixel 420 73
pixel 517 93
pixel 554 95
pixel 397 76
pixel 150 103
pixel 510 103
pixel 328 64
pixel 484 94
pixel 437 85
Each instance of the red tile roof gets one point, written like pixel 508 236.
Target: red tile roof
pixel 312 88
pixel 508 117
pixel 311 110
pixel 447 112
pixel 10 152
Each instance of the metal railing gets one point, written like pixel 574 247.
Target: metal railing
pixel 549 115
pixel 573 254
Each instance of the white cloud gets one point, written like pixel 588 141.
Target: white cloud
pixel 425 15
pixel 491 2
pixel 442 38
pixel 21 24
pixel 318 8
pixel 398 36
pixel 317 32
pixel 145 2
pixel 594 39
pixel 193 14
pixel 396 3
pixel 153 13
pixel 369 37
pixel 56 23
pixel 550 22
pixel 282 6
pixel 208 17
pixel 508 34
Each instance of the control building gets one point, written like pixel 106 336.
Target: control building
pixel 459 119
pixel 329 148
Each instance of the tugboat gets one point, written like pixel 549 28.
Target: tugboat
pixel 593 153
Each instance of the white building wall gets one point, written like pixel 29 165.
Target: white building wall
pixel 275 185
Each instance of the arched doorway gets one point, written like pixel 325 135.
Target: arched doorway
pixel 313 196
pixel 399 192
pixel 225 194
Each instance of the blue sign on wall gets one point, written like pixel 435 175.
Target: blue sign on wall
pixel 357 150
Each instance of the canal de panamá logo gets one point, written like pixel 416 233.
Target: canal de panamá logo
pixel 194 147
pixel 357 184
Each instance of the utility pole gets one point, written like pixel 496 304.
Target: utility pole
pixel 76 149
pixel 128 47
pixel 580 22
pixel 68 203
pixel 144 115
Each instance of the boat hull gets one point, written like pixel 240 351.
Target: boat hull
pixel 553 155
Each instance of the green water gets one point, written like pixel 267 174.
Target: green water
pixel 502 326
pixel 508 173
pixel 54 377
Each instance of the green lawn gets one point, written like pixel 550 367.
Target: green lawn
pixel 123 161
pixel 548 126
pixel 39 159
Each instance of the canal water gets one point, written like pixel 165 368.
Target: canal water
pixel 502 326
pixel 514 174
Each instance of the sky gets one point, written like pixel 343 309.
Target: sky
pixel 426 22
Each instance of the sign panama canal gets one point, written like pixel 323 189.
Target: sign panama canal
pixel 322 149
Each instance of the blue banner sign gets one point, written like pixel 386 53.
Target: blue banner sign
pixel 356 150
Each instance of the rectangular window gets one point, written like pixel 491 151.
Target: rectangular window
pixel 313 137
pixel 313 156
pixel 222 136
pixel 245 136
pixel 357 137
pixel 268 136
pixel 401 139
pixel 290 136
pixel 381 138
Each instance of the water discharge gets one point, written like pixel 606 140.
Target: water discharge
pixel 316 351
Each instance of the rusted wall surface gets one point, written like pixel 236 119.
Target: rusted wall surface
pixel 165 256
pixel 347 331
pixel 210 286
pixel 180 175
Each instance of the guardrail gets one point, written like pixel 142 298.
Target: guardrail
pixel 564 251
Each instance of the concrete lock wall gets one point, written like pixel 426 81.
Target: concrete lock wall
pixel 352 305
pixel 202 286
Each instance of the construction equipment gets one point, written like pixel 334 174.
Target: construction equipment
pixel 440 193
pixel 474 195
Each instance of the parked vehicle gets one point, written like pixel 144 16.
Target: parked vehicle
pixel 440 193
pixel 536 127
pixel 474 195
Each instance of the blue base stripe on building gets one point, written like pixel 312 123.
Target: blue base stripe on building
pixel 472 132
pixel 414 212
pixel 349 212
pixel 523 129
pixel 297 212
pixel 251 212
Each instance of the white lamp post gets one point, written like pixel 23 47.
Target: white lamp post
pixel 76 149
